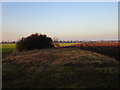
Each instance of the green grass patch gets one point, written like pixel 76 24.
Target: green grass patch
pixel 64 44
pixel 7 48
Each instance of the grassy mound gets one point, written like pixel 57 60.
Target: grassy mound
pixel 59 68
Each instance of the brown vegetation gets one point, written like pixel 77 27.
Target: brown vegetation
pixel 111 49
pixel 59 68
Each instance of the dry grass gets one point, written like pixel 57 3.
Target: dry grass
pixel 110 49
pixel 59 68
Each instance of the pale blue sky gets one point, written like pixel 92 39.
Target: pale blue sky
pixel 65 20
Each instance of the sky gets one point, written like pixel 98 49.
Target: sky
pixel 64 20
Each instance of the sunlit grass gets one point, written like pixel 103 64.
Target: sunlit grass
pixel 8 45
pixel 7 48
pixel 64 44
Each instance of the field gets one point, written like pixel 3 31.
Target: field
pixel 9 48
pixel 84 65
pixel 66 44
pixel 110 49
pixel 59 68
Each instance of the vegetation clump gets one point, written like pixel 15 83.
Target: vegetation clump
pixel 34 41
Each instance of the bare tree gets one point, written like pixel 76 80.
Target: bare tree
pixel 55 42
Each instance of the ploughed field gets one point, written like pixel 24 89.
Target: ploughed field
pixel 59 68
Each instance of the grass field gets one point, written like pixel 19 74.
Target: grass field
pixel 101 48
pixel 59 68
pixel 9 48
pixel 66 44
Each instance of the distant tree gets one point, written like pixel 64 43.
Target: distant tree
pixel 34 41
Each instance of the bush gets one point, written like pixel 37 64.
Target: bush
pixel 34 41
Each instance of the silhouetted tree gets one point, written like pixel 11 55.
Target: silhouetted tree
pixel 34 41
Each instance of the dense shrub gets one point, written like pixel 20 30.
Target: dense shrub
pixel 34 41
